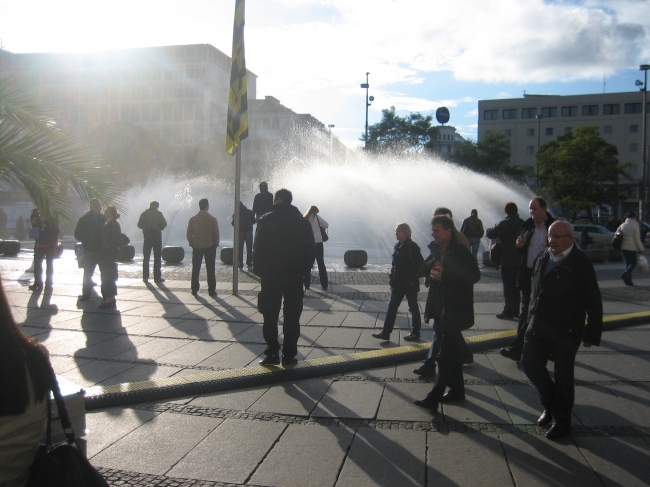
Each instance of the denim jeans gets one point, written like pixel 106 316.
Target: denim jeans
pixel 396 297
pixel 274 288
pixel 147 247
pixel 630 263
pixel 90 260
pixel 474 243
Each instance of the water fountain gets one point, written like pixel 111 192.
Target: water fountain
pixel 362 199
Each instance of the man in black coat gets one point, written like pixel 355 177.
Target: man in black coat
pixel 263 201
pixel 507 231
pixel 283 257
pixel 453 272
pixel 89 232
pixel 246 222
pixel 531 241
pixel 564 289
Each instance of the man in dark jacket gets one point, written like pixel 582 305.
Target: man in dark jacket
pixel 564 289
pixel 89 232
pixel 507 231
pixel 472 228
pixel 152 223
pixel 531 241
pixel 453 272
pixel 283 256
pixel 246 222
pixel 263 201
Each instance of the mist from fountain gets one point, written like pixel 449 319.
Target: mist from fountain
pixel 362 199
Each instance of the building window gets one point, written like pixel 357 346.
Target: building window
pixel 549 131
pixel 633 108
pixel 567 130
pixel 607 129
pixel 632 169
pixel 510 114
pixel 569 111
pixel 634 129
pixel 634 147
pixel 589 110
pixel 528 112
pixel 508 132
pixel 612 109
pixel 530 149
pixel 530 132
pixel 549 112
pixel 491 115
pixel 488 132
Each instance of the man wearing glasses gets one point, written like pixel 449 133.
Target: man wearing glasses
pixel 529 244
pixel 564 289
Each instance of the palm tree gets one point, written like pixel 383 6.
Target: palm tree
pixel 38 157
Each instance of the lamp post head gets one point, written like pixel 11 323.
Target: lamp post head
pixel 644 67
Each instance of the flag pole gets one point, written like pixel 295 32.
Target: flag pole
pixel 235 240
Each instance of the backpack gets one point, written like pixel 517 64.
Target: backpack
pixel 124 240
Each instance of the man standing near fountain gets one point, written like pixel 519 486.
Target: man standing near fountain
pixel 283 255
pixel 530 243
pixel 89 232
pixel 203 237
pixel 263 201
pixel 152 223
pixel 472 228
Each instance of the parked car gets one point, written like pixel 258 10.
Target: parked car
pixel 598 233
pixel 644 227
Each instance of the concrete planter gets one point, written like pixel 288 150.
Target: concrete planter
pixel 126 253
pixel 486 259
pixel 226 255
pixel 597 255
pixel 173 255
pixel 355 258
pixel 10 247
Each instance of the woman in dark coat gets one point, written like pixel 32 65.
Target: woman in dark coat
pixel 404 281
pixel 111 233
pixel 44 249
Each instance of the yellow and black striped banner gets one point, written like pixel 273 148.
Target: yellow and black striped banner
pixel 237 97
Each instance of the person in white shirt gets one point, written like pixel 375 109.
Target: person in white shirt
pixel 316 223
pixel 630 245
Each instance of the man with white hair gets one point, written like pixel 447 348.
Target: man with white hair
pixel 564 288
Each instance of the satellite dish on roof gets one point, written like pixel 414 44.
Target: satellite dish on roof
pixel 442 115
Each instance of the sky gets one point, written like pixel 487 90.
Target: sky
pixel 312 55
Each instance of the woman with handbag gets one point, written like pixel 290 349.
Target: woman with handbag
pixel 404 281
pixel 46 243
pixel 25 381
pixel 630 245
pixel 318 226
pixel 111 233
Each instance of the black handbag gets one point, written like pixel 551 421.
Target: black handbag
pixel 323 231
pixel 64 465
pixel 617 241
pixel 495 253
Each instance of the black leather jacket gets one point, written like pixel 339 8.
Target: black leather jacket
pixel 89 231
pixel 407 261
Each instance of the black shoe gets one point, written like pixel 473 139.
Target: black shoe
pixel 84 298
pixel 452 396
pixel 511 353
pixel 289 361
pixel 160 279
pixel 425 370
pixel 213 293
pixel 411 337
pixel 427 404
pixel 194 293
pixel 381 336
pixel 35 287
pixel 558 430
pixel 468 359
pixel 145 280
pixel 270 360
pixel 504 316
pixel 545 418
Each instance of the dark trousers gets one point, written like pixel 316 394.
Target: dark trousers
pixel 557 393
pixel 450 366
pixel 320 259
pixel 108 268
pixel 210 254
pixel 510 291
pixel 396 297
pixel 274 288
pixel 89 261
pixel 246 237
pixel 524 285
pixel 630 263
pixel 147 247
pixel 466 355
pixel 40 254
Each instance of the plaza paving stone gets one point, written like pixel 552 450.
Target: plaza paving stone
pixel 357 428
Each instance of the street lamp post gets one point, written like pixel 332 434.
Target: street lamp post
pixel 366 85
pixel 539 120
pixel 644 151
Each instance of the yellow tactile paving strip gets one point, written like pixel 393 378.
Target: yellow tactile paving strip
pixel 246 374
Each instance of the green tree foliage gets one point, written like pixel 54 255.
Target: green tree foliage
pixel 576 168
pixel 40 159
pixel 490 155
pixel 395 134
